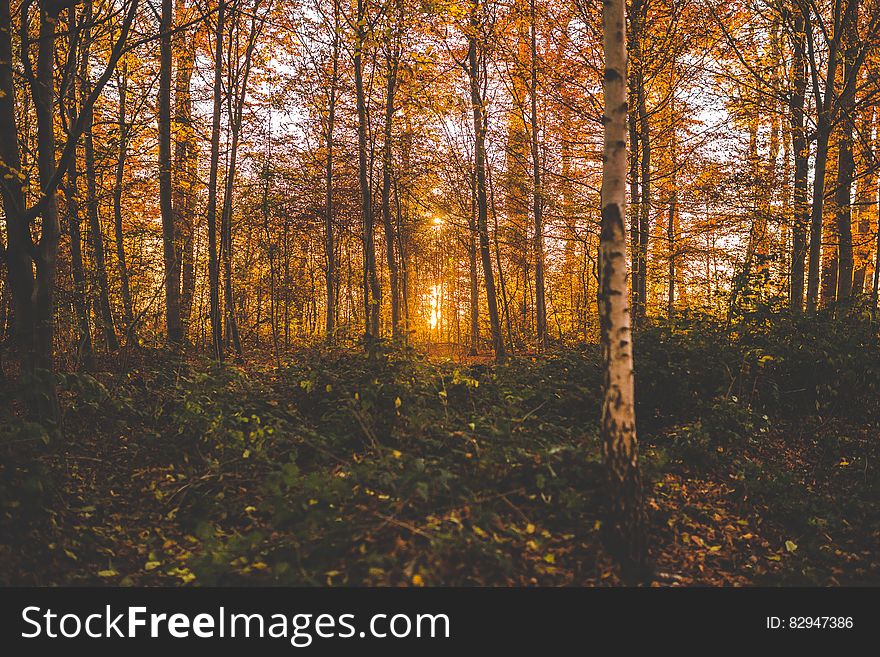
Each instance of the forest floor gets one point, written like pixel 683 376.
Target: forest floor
pixel 339 469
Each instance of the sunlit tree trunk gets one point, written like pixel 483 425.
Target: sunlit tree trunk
pixel 329 242
pixel 672 219
pixel 801 153
pixel 387 162
pixel 619 444
pixel 122 129
pixel 537 188
pixel 866 190
pixel 213 261
pixel 185 176
pixel 474 336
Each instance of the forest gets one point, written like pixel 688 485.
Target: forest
pixel 439 292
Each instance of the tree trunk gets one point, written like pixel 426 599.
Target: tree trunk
pixel 801 165
pixel 672 221
pixel 105 314
pixel 480 169
pixel 390 89
pixel 645 205
pixel 19 243
pixel 173 325
pixel 537 189
pixel 80 298
pixel 823 131
pixel 845 158
pixel 122 154
pixel 329 245
pixel 185 175
pixel 213 261
pixel 372 291
pixel 619 444
pixel 474 336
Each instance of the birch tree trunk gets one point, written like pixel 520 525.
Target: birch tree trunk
pixel 625 525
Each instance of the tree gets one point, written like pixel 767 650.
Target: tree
pixel 619 443
pixel 474 71
pixel 213 260
pixel 32 263
pixel 173 325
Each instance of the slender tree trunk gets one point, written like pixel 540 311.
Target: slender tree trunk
pixel 173 325
pixel 537 190
pixel 185 175
pixel 390 89
pixel 619 444
pixel 875 292
pixel 80 297
pixel 96 236
pixel 480 169
pixel 329 242
pixel 372 291
pixel 645 205
pixel 236 98
pixel 846 160
pixel 801 165
pixel 47 251
pixel 636 85
pixel 213 261
pixel 824 103
pixel 671 225
pixel 472 273
pixel 119 235
pixel 823 131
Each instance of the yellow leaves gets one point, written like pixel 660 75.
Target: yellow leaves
pixel 397 402
pixel 396 453
pixel 480 532
pixel 152 565
pixel 791 546
pixel 530 529
pixel 107 573
pixel 417 580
